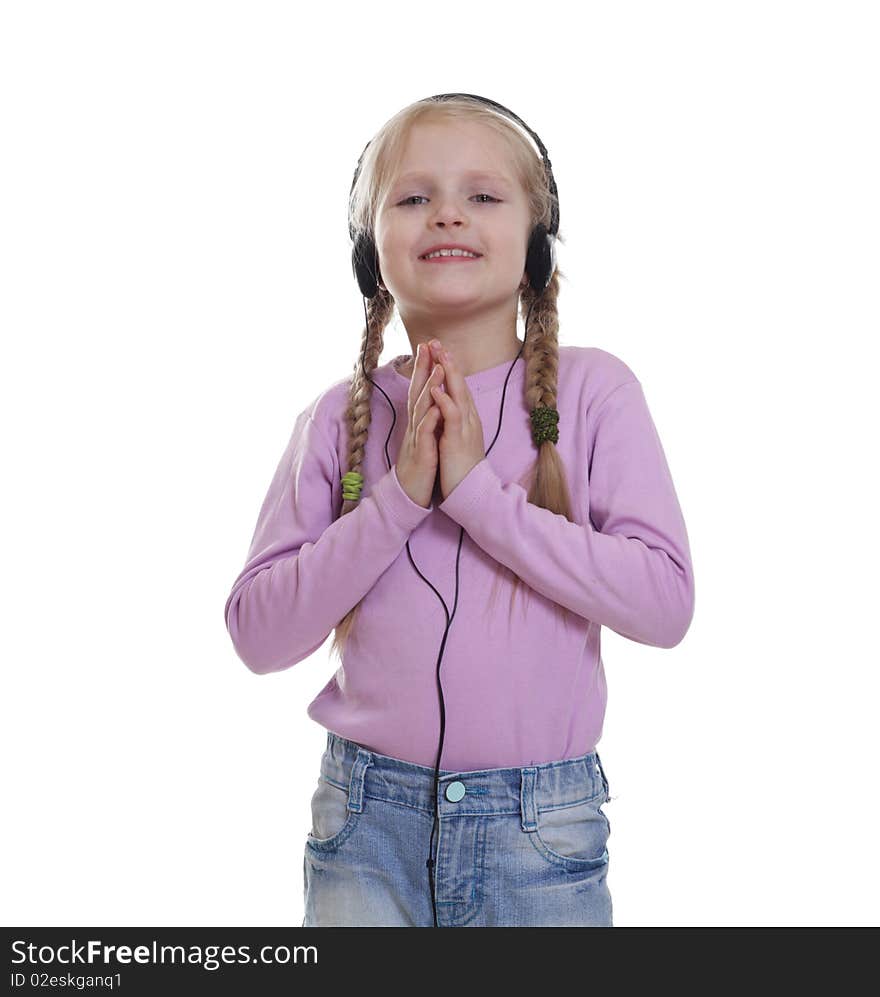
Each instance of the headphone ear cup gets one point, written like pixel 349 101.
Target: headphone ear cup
pixel 365 264
pixel 540 258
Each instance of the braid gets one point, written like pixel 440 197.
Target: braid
pixel 548 487
pixel 357 417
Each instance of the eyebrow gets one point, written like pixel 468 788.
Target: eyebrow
pixel 473 174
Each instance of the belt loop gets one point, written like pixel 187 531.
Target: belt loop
pixel 528 809
pixel 356 784
pixel 604 777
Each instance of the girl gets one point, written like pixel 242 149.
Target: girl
pixel 376 540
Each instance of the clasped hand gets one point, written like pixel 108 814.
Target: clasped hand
pixel 460 447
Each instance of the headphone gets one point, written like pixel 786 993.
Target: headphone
pixel 540 264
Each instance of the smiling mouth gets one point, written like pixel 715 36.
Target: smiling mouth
pixel 450 259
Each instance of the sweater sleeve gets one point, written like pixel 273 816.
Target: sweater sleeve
pixel 305 570
pixel 629 567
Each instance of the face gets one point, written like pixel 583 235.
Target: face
pixel 455 184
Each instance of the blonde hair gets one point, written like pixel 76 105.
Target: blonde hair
pixel 547 484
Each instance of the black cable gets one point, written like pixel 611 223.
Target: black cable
pixel 449 617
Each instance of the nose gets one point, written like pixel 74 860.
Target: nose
pixel 448 213
pixel 442 220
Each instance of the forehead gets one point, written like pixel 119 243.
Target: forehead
pixel 460 150
pixel 427 176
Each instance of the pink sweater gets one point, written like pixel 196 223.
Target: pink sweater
pixel 521 688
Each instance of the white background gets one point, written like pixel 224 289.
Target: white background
pixel 177 286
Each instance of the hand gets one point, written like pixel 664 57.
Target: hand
pixel 461 446
pixel 418 458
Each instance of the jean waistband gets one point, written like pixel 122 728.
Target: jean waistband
pixel 526 789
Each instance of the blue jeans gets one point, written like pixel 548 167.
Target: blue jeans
pixel 515 847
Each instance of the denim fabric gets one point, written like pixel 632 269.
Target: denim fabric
pixel 515 847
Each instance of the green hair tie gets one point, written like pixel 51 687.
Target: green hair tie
pixel 352 482
pixel 544 420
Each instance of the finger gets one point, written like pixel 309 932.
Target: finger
pixel 421 369
pixel 454 378
pixel 427 425
pixel 442 399
pixel 424 401
pixel 422 365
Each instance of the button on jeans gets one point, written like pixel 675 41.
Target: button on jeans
pixel 515 847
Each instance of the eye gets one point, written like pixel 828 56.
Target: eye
pixel 408 201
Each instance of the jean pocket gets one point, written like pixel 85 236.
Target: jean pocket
pixel 575 836
pixel 332 821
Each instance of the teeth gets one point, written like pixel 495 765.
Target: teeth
pixel 450 252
